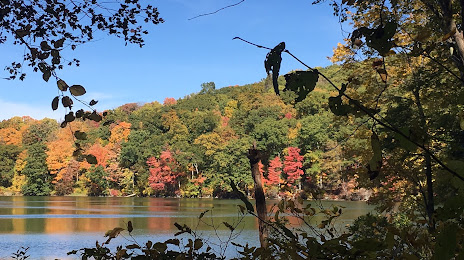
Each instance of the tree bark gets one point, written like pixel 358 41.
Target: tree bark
pixel 429 201
pixel 254 155
pixel 450 26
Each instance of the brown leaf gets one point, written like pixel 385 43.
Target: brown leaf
pixel 129 226
pixel 77 90
pixel 91 159
pixel 377 63
pixel 383 74
pixel 66 101
pixel 55 103
pixel 44 46
pixel 62 85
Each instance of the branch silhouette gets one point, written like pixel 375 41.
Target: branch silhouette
pixel 382 121
pixel 218 10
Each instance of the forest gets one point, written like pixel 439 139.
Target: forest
pixel 191 147
pixel 384 123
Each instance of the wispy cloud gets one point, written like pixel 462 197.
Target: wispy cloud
pixel 11 109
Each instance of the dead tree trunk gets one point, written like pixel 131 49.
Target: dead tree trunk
pixel 254 155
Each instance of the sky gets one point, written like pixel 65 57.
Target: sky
pixel 180 54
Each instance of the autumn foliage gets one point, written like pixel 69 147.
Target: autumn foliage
pixel 164 172
pixel 292 165
pixel 274 172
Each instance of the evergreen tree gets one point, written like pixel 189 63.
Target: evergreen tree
pixel 8 155
pixel 36 172
pixel 98 183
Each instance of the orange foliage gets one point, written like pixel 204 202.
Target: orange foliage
pixel 120 133
pixel 60 151
pixel 101 153
pixel 169 101
pixel 11 135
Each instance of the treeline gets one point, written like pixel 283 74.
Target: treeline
pixel 190 147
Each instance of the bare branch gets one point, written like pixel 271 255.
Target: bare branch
pixel 218 10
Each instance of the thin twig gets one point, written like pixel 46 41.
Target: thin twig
pixel 259 46
pixel 218 10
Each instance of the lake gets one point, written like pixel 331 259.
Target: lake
pixel 53 226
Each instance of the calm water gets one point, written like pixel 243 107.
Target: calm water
pixel 52 226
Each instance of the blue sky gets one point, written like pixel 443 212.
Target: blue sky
pixel 180 54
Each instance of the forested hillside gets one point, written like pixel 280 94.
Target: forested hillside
pixel 191 147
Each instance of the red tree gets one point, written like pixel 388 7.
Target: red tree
pixel 169 101
pixel 293 164
pixel 164 172
pixel 274 172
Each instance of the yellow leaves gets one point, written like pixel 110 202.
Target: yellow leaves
pixel 210 141
pixel 230 108
pixel 341 53
pixel 21 161
pixel 293 132
pixel 17 183
pixel 120 133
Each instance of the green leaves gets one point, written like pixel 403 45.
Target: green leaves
pixel 301 82
pixel 272 63
pixel 403 141
pixel 446 242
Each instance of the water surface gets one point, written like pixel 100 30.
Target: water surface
pixel 52 226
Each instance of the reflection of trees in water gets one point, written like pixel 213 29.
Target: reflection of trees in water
pixel 154 215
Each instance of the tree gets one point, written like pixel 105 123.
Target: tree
pixel 36 172
pixel 274 172
pixel 97 183
pixel 66 179
pixel 207 87
pixel 8 155
pixel 39 131
pixel 164 173
pixel 292 166
pixel 59 152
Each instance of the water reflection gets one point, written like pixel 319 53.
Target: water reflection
pixel 66 215
pixel 53 215
pixel 52 226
